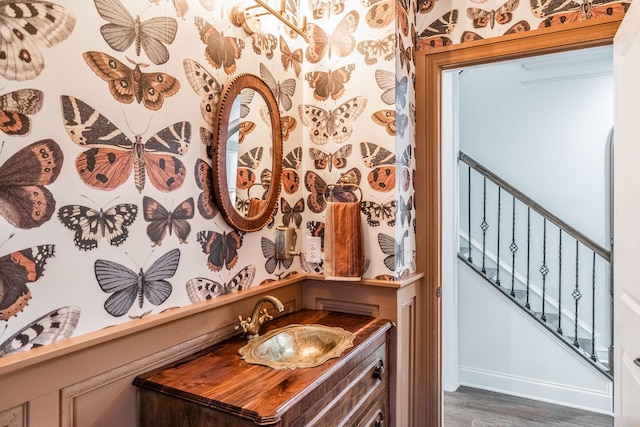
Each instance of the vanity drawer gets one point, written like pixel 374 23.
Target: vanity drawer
pixel 351 394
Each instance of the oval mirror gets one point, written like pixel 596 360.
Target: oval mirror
pixel 247 134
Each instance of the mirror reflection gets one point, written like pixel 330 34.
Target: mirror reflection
pixel 249 148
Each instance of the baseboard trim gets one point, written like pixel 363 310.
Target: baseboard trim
pixel 599 401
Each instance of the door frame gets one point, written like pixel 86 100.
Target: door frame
pixel 429 67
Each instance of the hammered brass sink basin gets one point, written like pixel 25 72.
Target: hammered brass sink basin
pixel 297 346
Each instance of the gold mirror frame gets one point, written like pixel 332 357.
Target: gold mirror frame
pixel 229 94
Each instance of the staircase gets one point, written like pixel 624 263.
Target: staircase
pixel 552 272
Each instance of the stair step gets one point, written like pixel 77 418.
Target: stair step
pixel 552 318
pixel 585 343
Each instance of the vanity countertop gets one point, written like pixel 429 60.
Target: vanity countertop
pixel 218 378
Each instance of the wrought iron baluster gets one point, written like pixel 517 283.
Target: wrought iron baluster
pixel 484 226
pixel 513 247
pixel 527 304
pixel 559 330
pixel 594 356
pixel 576 294
pixel 469 258
pixel 544 270
pixel 498 251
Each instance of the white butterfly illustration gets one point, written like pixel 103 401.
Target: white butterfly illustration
pixel 25 25
pixel 333 124
pixel 202 289
pixel 282 91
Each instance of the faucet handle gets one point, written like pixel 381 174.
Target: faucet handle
pixel 264 316
pixel 243 324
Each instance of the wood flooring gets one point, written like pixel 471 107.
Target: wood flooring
pixel 479 408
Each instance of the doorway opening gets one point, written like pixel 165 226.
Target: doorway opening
pixel 534 133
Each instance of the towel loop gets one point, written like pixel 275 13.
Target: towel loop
pixel 266 182
pixel 344 181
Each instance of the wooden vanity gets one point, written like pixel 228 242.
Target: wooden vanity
pixel 216 387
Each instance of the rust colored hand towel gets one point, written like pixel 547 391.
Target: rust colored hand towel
pixel 255 207
pixel 343 251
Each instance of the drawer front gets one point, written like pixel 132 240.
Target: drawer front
pixel 376 414
pixel 351 396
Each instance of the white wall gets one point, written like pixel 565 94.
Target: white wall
pixel 503 349
pixel 546 136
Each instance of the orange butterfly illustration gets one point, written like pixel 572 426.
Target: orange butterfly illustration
pixel 112 156
pixel 383 12
pixel 204 180
pixel 326 8
pixel 329 83
pixel 338 158
pixel 292 213
pixel 468 36
pixel 264 42
pixel 15 108
pixel 341 41
pixel 245 177
pixel 383 176
pixel 287 123
pixel 502 15
pixel 220 51
pixel 386 118
pixel 290 166
pixel 126 84
pixel 435 34
pixel 575 10
pixel 290 59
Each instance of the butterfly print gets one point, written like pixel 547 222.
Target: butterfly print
pixel 502 15
pixel 16 270
pixel 374 49
pixel 221 248
pixel 264 42
pixel 125 284
pixel 338 158
pixel 435 34
pixel 292 213
pixel 242 205
pixel 112 156
pixel 162 221
pixel 181 7
pixel 126 84
pixel 332 124
pixel 123 30
pixel 204 177
pixel 405 210
pixel 402 123
pixel 54 326
pixel 575 10
pixel 317 187
pixel 24 26
pixel 290 166
pixel 202 289
pixel 341 42
pixel 245 177
pixel 387 119
pixel 15 108
pixel 405 54
pixel 24 201
pixel 394 90
pixel 206 137
pixel 383 176
pixel 384 12
pixel 325 8
pixel 269 252
pixel 205 85
pixel 282 91
pixel 244 129
pixel 426 6
pixel 327 84
pixel 290 59
pixel 90 225
pixel 394 250
pixel 220 51
pixel 245 99
pixel 377 212
pixel 311 267
pixel 316 229
pixel 287 125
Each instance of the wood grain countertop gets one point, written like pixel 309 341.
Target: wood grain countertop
pixel 218 378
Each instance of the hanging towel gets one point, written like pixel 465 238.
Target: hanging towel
pixel 343 251
pixel 255 207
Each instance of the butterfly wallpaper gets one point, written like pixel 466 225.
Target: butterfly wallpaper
pixel 106 112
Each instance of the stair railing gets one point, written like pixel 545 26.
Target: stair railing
pixel 540 296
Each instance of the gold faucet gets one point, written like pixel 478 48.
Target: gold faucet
pixel 251 325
